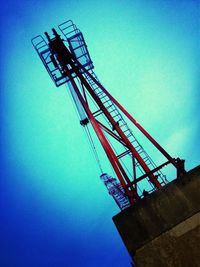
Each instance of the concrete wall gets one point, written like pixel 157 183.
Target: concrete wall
pixel 178 247
pixel 163 229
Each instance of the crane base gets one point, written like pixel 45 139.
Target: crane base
pixel 163 229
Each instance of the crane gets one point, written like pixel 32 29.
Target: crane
pixel 65 56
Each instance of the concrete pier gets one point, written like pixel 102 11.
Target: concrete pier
pixel 163 229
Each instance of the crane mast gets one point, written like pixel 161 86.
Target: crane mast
pixel 68 61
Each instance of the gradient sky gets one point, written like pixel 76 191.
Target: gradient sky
pixel 55 210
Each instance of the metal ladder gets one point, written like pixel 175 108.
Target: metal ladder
pixel 113 110
pixel 69 30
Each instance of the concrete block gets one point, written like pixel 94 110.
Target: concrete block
pixel 162 222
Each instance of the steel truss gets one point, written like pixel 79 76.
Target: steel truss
pixel 68 61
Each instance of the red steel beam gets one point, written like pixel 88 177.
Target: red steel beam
pixel 152 178
pixel 152 171
pixel 121 174
pixel 151 139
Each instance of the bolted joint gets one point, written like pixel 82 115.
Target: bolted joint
pixel 84 122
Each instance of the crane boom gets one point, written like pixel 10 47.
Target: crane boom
pixel 68 61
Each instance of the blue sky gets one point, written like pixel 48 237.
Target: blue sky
pixel 55 210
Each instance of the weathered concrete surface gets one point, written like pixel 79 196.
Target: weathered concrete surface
pixel 178 247
pixel 163 229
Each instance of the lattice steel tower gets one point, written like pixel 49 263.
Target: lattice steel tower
pixel 67 60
